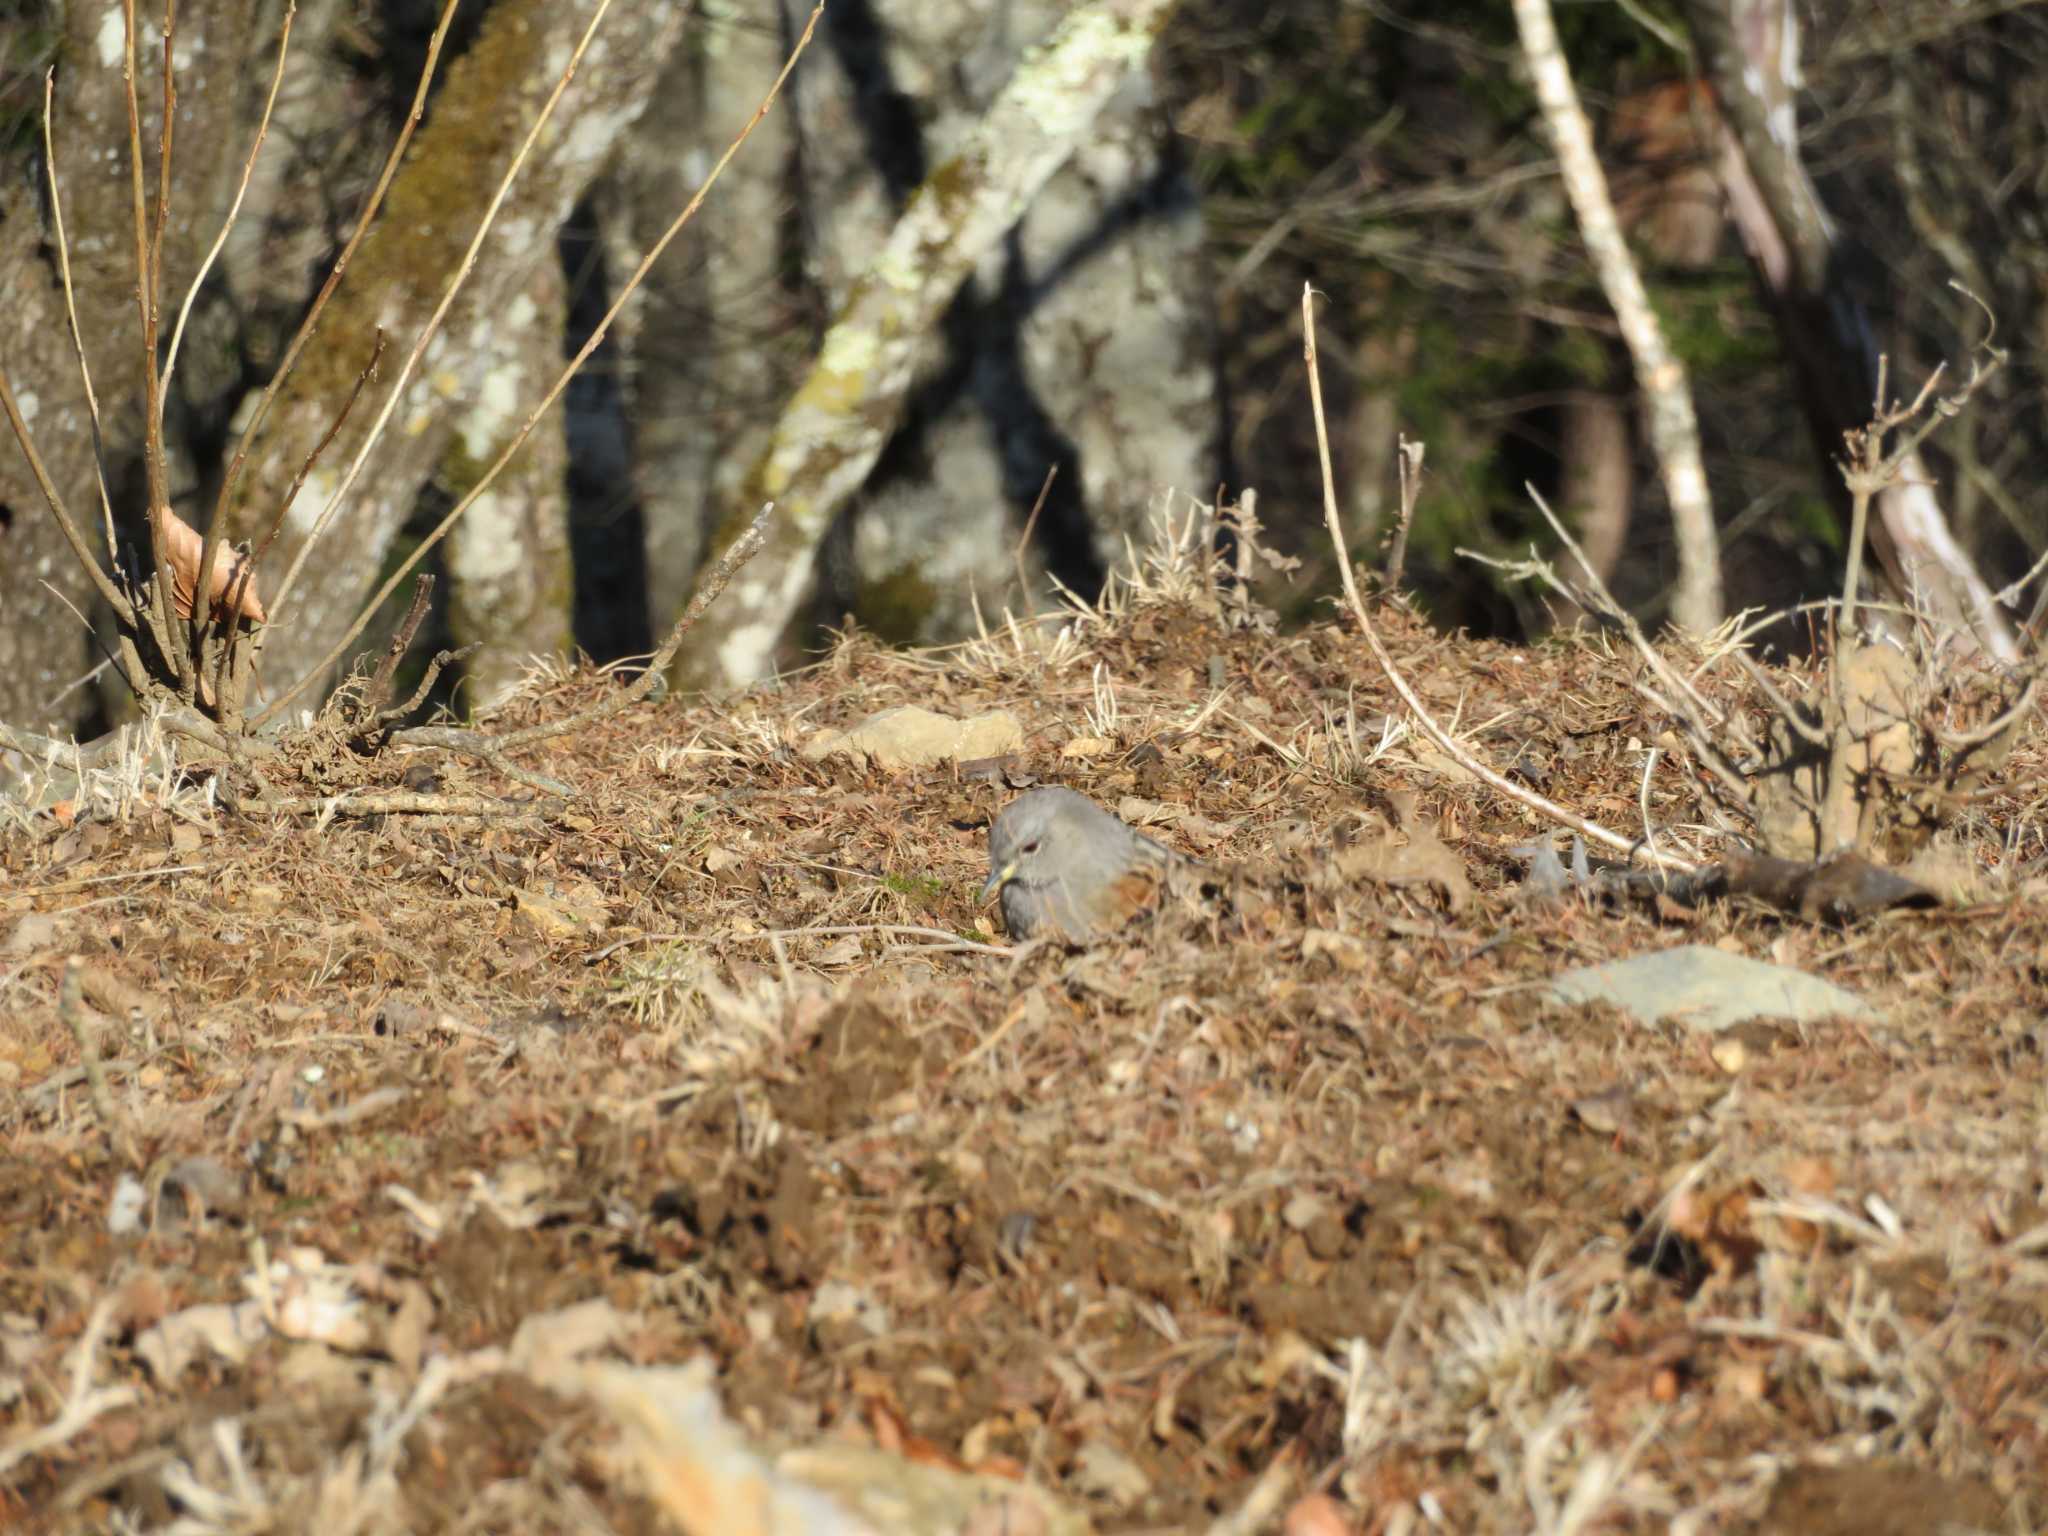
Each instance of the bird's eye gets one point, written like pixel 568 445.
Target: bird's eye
pixel 1030 847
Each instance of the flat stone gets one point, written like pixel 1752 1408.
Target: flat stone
pixel 911 737
pixel 1707 989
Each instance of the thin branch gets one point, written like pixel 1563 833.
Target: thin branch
pixel 163 188
pixel 378 688
pixel 1408 457
pixel 1966 742
pixel 82 1404
pixel 485 749
pixel 1024 539
pixel 1789 712
pixel 379 803
pixel 92 402
pixel 1708 717
pixel 1449 745
pixel 284 39
pixel 946 937
pixel 109 593
pixel 153 443
pixel 313 457
pixel 202 619
pixel 71 1010
pixel 583 353
pixel 427 681
pixel 1660 374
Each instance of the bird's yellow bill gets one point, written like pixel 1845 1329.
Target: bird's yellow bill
pixel 997 881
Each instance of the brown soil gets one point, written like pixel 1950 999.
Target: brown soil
pixel 1135 1222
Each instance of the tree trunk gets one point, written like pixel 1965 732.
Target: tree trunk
pixel 510 583
pixel 1598 483
pixel 1084 344
pixel 714 345
pixel 1660 375
pixel 1749 52
pixel 941 517
pixel 482 112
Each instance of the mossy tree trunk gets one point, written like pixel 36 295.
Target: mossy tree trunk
pixel 832 433
pixel 1084 342
pixel 482 111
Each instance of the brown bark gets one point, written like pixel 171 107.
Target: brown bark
pixel 1599 479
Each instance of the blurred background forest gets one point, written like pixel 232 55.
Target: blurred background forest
pixel 1136 329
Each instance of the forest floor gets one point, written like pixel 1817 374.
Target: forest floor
pixel 424 1147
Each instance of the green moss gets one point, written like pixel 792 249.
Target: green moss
pixel 895 607
pixel 920 891
pixel 416 244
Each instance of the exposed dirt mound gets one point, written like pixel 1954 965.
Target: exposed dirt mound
pixel 1300 1172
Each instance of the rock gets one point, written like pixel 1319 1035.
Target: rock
pixel 1707 989
pixel 911 737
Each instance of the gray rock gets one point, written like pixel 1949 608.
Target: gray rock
pixel 1707 989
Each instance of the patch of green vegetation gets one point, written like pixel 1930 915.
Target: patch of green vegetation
pixel 1712 322
pixel 1810 519
pixel 922 891
pixel 895 607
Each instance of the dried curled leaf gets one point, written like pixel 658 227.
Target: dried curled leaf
pixel 184 545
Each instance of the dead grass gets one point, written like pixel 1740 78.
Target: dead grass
pixel 1296 1176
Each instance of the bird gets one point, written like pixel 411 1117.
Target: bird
pixel 1066 868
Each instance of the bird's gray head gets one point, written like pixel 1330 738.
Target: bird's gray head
pixel 1057 859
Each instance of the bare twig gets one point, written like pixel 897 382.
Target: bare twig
pixel 378 688
pixel 1700 718
pixel 476 744
pixel 1408 458
pixel 1872 469
pixel 737 554
pixel 427 680
pixel 1448 744
pixel 83 1403
pixel 71 1010
pixel 1024 538
pixel 395 802
pixel 110 594
pixel 284 38
pixel 92 402
pixel 202 619
pixel 1794 718
pixel 784 935
pixel 145 298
